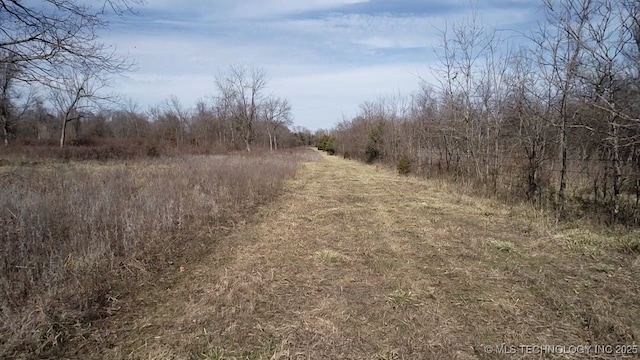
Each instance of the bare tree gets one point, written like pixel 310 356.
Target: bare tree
pixel 242 92
pixel 136 122
pixel 608 79
pixel 76 93
pixel 44 39
pixel 465 84
pixel 9 71
pixel 560 46
pixel 277 114
pixel 527 124
pixel 203 123
pixel 181 117
pixel 223 108
pixel 42 36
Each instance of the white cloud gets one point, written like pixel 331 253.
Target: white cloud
pixel 325 65
pixel 391 31
pixel 247 9
pixel 266 8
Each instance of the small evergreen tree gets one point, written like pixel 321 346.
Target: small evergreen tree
pixel 372 151
pixel 404 165
pixel 327 143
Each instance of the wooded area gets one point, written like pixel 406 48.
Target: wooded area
pixel 55 79
pixel 550 116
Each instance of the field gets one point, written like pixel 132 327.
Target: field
pixel 79 237
pixel 349 261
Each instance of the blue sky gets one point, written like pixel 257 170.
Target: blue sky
pixel 325 56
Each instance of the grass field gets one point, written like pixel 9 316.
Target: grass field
pixel 349 261
pixel 353 261
pixel 78 239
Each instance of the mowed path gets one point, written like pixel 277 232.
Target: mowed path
pixel 355 262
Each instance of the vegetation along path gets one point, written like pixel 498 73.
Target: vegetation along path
pixel 358 262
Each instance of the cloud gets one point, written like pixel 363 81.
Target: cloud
pixel 247 9
pixel 326 56
pixel 272 8
pixel 369 31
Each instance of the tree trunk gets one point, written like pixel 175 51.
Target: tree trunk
pixel 532 184
pixel 275 142
pixel 76 128
pixel 617 170
pixel 270 141
pixel 5 130
pixel 496 164
pixel 63 132
pixel 563 169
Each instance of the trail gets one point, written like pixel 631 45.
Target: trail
pixel 358 262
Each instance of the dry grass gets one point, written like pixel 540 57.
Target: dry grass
pixel 29 152
pixel 355 262
pixel 77 239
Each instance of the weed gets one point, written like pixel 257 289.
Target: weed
pixel 329 255
pixel 402 297
pixel 503 246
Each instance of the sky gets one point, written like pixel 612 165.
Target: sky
pixel 325 56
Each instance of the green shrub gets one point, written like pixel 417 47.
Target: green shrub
pixel 327 143
pixel 372 151
pixel 404 165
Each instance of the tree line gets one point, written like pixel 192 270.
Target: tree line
pixel 55 76
pixel 552 116
pixel 210 125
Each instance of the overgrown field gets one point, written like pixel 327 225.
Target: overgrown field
pixel 76 238
pixel 141 260
pixel 358 262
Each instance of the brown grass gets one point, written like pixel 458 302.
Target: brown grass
pixel 35 152
pixel 355 262
pixel 77 239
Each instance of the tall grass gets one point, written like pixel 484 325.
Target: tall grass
pixel 75 237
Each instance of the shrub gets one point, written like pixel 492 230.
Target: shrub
pixel 152 151
pixel 372 151
pixel 82 142
pixel 78 150
pixel 372 154
pixel 404 165
pixel 327 143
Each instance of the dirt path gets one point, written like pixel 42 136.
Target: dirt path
pixel 358 262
